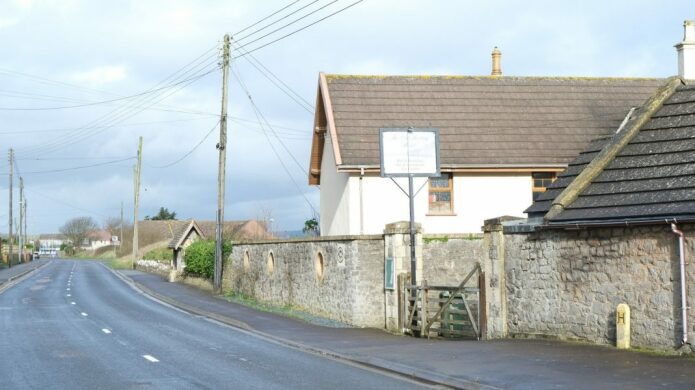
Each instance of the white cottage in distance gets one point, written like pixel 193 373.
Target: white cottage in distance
pixel 503 139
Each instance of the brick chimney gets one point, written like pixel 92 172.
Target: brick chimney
pixel 686 52
pixel 496 58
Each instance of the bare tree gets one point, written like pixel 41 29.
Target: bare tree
pixel 78 229
pixel 113 226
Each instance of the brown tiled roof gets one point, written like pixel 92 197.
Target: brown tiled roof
pixel 483 121
pixel 180 235
pixel 171 230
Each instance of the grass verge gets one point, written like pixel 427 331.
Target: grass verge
pixel 120 264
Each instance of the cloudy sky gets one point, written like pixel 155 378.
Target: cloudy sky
pixel 80 80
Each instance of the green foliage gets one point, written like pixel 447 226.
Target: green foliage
pixel 163 215
pixel 311 227
pixel 443 239
pixel 162 253
pixel 200 257
pixel 68 249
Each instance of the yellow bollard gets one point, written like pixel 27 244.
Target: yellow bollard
pixel 622 326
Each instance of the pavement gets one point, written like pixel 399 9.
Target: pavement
pixel 19 270
pixel 465 364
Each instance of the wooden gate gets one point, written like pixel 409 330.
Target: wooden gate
pixel 446 311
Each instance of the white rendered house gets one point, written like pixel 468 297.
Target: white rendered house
pixel 502 140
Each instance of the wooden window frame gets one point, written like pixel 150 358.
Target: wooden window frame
pixel 449 188
pixel 541 189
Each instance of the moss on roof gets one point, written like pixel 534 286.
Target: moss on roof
pixel 331 77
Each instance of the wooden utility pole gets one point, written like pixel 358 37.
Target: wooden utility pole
pixel 136 178
pixel 25 221
pixel 222 147
pixel 9 232
pixel 120 238
pixel 21 220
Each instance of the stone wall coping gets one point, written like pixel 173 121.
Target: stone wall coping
pixel 401 227
pixel 363 237
pixel 455 236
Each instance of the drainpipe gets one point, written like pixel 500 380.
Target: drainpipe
pixel 361 200
pixel 684 305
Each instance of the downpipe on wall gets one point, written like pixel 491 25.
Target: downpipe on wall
pixel 684 304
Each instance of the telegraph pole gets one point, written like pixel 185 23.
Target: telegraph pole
pixel 9 238
pixel 120 238
pixel 21 220
pixel 25 223
pixel 222 147
pixel 136 178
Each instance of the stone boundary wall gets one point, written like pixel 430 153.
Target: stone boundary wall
pixel 568 284
pixel 337 277
pixel 447 259
pixel 160 268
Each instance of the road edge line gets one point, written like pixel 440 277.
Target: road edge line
pixel 371 363
pixel 15 280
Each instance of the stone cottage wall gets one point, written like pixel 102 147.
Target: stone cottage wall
pixel 569 283
pixel 349 288
pixel 447 259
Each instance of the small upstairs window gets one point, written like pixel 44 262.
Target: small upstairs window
pixel 541 181
pixel 441 191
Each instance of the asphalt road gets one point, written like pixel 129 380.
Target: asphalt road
pixel 75 325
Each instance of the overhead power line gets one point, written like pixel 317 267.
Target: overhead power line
pixel 270 143
pixel 116 116
pixel 136 106
pixel 81 167
pixel 99 102
pixel 43 195
pixel 296 31
pixel 286 89
pixel 276 21
pixel 266 18
pixel 190 151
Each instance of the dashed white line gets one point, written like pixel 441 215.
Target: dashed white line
pixel 106 331
pixel 83 314
pixel 69 295
pixel 67 289
pixel 150 358
pixel 72 303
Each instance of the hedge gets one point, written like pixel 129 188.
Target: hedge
pixel 200 257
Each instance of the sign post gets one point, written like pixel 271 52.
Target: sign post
pixel 409 152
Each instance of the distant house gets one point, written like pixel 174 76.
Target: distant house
pixel 156 231
pixel 50 243
pixel 98 239
pixel 503 141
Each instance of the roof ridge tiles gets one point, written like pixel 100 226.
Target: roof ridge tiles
pixel 335 76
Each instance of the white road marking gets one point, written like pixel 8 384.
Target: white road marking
pixel 67 289
pixel 150 358
pixel 69 295
pixel 106 331
pixel 84 314
pixel 72 303
pixel 243 360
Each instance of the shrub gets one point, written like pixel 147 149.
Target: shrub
pixel 200 257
